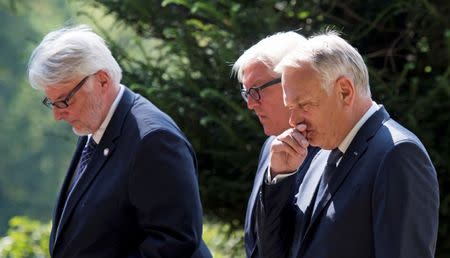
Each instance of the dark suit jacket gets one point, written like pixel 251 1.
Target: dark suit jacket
pixel 250 237
pixel 275 233
pixel 138 197
pixel 382 200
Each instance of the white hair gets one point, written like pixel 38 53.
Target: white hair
pixel 69 53
pixel 331 57
pixel 269 51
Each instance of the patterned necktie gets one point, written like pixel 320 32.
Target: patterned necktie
pixel 333 158
pixel 85 158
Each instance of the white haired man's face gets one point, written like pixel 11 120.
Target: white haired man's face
pixel 85 108
pixel 272 113
pixel 309 104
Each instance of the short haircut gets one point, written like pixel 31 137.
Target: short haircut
pixel 69 53
pixel 331 57
pixel 269 51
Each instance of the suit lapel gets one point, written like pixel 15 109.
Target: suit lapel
pixel 306 192
pixel 262 167
pixel 103 152
pixel 311 181
pixel 57 212
pixel 354 152
pixel 339 175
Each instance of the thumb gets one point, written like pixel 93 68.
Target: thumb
pixel 301 127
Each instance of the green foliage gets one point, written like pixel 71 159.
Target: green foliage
pixel 26 238
pixel 223 240
pixel 180 57
pixel 34 150
pixel 405 44
pixel 189 79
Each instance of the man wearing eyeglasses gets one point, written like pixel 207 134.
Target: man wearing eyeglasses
pixel 372 191
pixel 131 189
pixel 261 90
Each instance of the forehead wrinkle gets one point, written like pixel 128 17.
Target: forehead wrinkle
pixel 257 73
pixel 62 95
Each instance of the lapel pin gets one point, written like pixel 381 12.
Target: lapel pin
pixel 105 152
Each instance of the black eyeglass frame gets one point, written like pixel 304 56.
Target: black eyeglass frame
pixel 254 92
pixel 61 104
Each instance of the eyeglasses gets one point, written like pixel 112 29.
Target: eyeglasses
pixel 254 92
pixel 65 102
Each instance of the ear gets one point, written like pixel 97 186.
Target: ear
pixel 104 79
pixel 345 90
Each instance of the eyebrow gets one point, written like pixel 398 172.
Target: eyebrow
pixel 60 97
pixel 299 102
pixel 63 96
pixel 262 83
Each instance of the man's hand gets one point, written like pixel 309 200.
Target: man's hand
pixel 288 151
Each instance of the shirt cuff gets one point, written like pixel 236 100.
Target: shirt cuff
pixel 277 178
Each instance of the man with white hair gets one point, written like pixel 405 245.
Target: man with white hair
pixel 372 190
pixel 261 90
pixel 131 189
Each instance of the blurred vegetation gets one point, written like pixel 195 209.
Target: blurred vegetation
pixel 26 238
pixel 29 238
pixel 178 53
pixel 34 151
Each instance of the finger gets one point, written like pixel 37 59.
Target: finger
pixel 292 142
pixel 300 138
pixel 282 146
pixel 301 127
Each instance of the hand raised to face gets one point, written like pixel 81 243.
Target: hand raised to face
pixel 288 151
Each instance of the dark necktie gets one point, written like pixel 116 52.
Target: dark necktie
pixel 333 158
pixel 324 180
pixel 85 158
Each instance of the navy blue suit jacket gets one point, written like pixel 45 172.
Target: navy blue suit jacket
pixel 254 247
pixel 138 197
pixel 250 237
pixel 382 200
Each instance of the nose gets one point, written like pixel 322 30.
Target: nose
pixel 295 118
pixel 251 103
pixel 58 114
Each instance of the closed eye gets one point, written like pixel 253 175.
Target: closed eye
pixel 305 107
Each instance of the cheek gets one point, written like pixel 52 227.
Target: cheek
pixel 86 108
pixel 279 113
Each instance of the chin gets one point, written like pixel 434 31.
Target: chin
pixel 274 132
pixel 269 131
pixel 80 132
pixel 314 143
pixel 322 146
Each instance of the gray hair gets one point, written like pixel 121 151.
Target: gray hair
pixel 68 53
pixel 331 56
pixel 269 51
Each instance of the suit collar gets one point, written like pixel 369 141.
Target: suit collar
pixel 343 146
pixel 104 151
pixel 63 192
pixel 101 130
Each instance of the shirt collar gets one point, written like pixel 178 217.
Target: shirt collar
pixel 101 130
pixel 349 138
